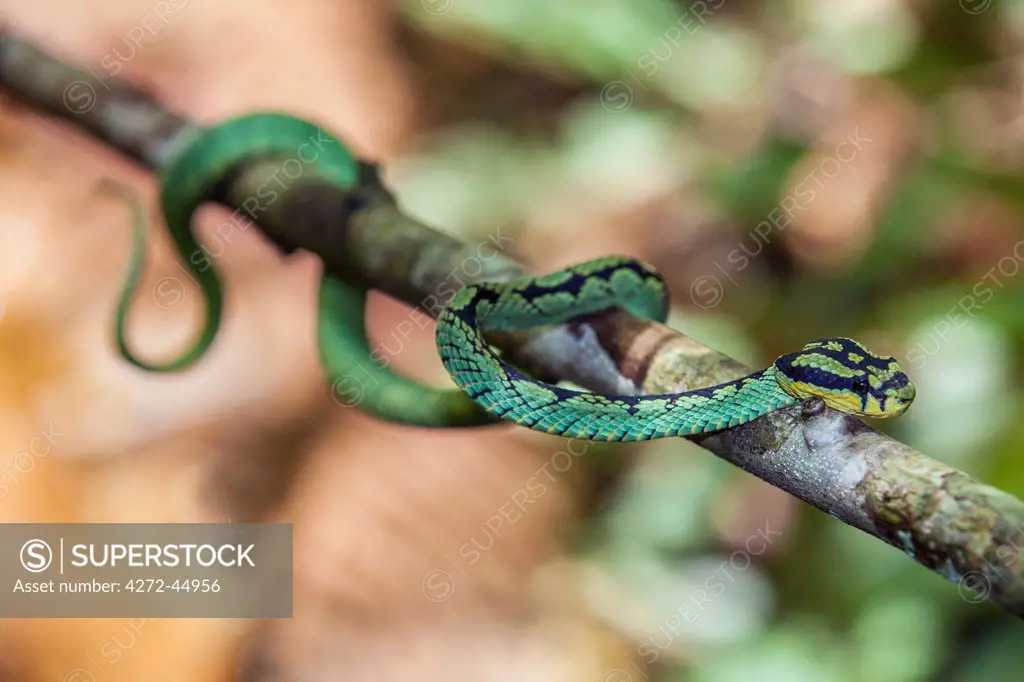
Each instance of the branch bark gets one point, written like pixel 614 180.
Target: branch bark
pixel 968 532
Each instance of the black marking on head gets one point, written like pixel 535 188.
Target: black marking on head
pixel 815 375
pixel 865 374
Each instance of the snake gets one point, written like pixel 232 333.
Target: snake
pixel 206 159
pixel 843 373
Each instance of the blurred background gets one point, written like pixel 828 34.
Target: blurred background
pixel 796 170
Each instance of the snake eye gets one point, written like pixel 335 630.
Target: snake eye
pixel 860 385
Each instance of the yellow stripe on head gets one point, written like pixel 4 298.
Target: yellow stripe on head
pixel 826 364
pixel 847 376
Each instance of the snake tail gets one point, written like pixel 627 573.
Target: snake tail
pixel 844 373
pixel 186 184
pixel 344 351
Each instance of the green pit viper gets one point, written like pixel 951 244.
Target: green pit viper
pixel 842 372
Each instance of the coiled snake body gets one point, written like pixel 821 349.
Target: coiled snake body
pixel 345 353
pixel 844 373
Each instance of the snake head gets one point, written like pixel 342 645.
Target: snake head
pixel 848 377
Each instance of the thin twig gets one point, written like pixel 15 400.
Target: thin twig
pixel 941 517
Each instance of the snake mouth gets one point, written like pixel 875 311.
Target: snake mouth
pixel 897 403
pixel 894 407
pixel 886 406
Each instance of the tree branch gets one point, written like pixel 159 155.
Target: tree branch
pixel 968 532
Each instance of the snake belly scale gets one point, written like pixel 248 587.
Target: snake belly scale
pixel 844 373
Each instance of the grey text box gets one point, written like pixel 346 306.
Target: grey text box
pixel 146 570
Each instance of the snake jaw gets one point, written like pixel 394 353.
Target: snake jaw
pixel 843 401
pixel 897 400
pixel 893 403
